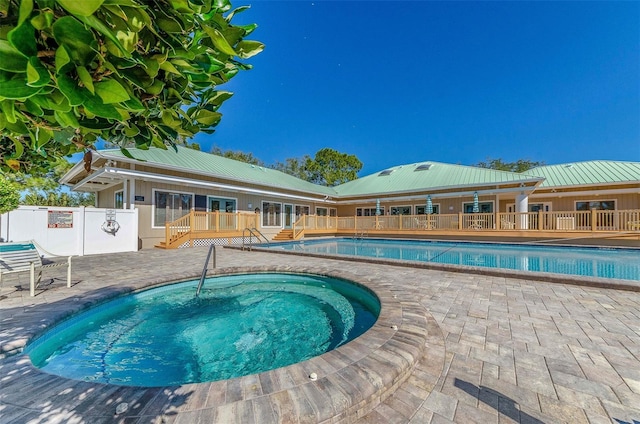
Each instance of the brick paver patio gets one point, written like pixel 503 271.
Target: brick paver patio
pixel 499 350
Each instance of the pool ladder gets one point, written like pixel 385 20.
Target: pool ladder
pixel 212 249
pixel 252 233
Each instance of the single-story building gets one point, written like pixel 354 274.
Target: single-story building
pixel 165 185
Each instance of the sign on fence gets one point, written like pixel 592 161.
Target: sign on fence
pixel 60 219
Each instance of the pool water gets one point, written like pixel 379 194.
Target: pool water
pixel 610 263
pixel 239 325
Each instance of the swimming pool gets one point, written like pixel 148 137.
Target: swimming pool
pixel 607 263
pixel 238 325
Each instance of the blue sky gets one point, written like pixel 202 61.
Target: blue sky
pixel 456 82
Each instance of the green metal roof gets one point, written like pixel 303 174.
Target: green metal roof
pixel 587 173
pixel 195 161
pixel 422 177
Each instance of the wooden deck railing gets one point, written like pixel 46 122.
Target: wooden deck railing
pixel 208 224
pixel 558 221
pixel 222 224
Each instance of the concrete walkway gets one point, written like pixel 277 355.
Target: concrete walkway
pixel 499 350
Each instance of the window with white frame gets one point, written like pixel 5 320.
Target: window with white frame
pixel 422 209
pixel 118 199
pixel 271 214
pixel 368 211
pixel 400 210
pixel 533 207
pixel 169 206
pixel 601 205
pixel 302 210
pixel 483 207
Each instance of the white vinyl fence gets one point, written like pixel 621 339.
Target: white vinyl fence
pixel 73 231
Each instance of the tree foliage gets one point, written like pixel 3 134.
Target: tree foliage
pixel 521 165
pixel 141 72
pixel 45 190
pixel 237 155
pixel 9 195
pixel 328 167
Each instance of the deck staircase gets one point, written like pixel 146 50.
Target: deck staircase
pixel 175 240
pixel 284 235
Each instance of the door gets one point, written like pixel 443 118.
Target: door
pixel 288 216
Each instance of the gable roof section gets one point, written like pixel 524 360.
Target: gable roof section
pixel 420 177
pixel 192 161
pixel 587 173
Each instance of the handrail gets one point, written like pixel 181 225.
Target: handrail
pixel 252 233
pixel 212 248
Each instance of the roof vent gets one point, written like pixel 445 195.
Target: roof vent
pixel 570 165
pixel 385 172
pixel 424 167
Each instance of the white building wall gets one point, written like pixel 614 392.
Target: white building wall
pixel 84 236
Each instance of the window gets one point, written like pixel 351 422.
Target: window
pixel 169 206
pixel 424 167
pixel 118 200
pixel 368 211
pixel 322 211
pixel 302 210
pixel 602 205
pixel 532 207
pixel 400 210
pixel 422 209
pixel 271 214
pixel 222 205
pixel 483 207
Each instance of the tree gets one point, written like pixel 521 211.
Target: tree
pixel 520 165
pixel 9 195
pixel 45 190
pixel 330 167
pixel 237 155
pixel 294 166
pixel 126 71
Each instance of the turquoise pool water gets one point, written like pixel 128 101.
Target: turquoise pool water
pixel 611 263
pixel 239 325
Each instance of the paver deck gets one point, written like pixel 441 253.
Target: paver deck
pixel 496 350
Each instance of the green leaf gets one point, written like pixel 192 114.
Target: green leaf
pixel 19 149
pixel 236 11
pixel 43 20
pixel 248 48
pixel 99 26
pixel 71 91
pixel 37 74
pixel 81 7
pixel 66 119
pixel 12 59
pixel 85 78
pixel 8 108
pixel 23 39
pixel 110 91
pixel 62 59
pixel 26 7
pixel 206 117
pixel 248 29
pixel 17 89
pixel 80 43
pixel 219 41
pixel 33 107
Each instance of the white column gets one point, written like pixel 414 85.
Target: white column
pixel 522 207
pixel 132 193
pixel 125 194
